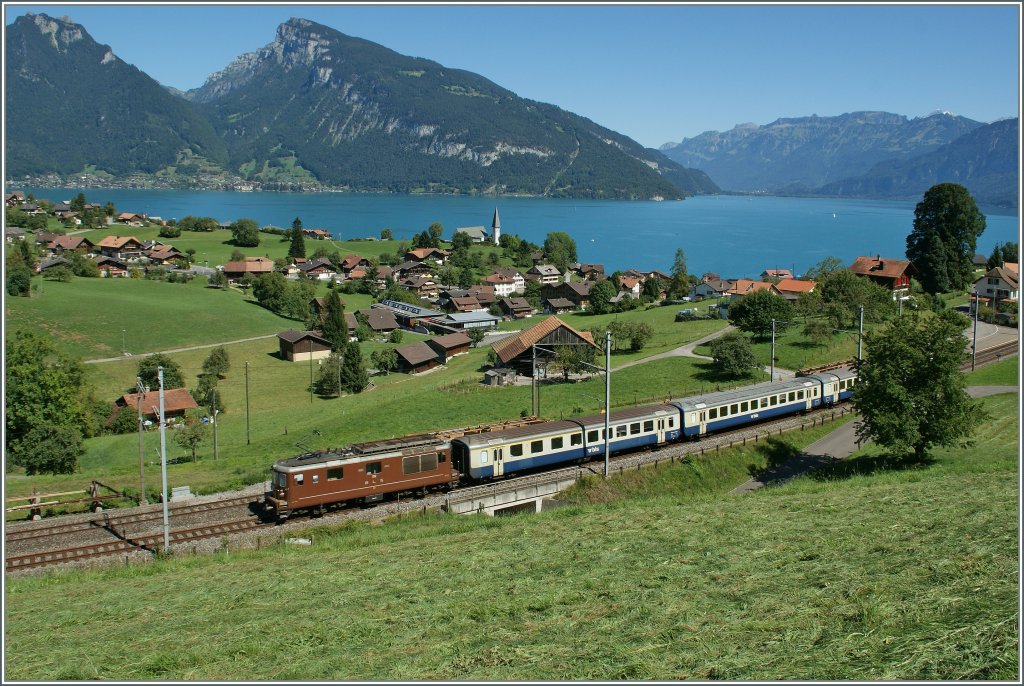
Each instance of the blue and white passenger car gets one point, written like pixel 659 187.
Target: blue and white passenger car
pixel 496 453
pixel 724 409
pixel 630 428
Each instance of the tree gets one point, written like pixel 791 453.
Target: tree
pixel 839 298
pixel 386 234
pixel 193 433
pixel 384 360
pixel 148 372
pixel 638 334
pixel 942 245
pixel 435 231
pixel 217 362
pixel 269 291
pixel 826 267
pixel 651 289
pixel 754 313
pixel 733 355
pixel 818 330
pixel 353 370
pixel 246 233
pixel 600 296
pixel 207 394
pixel 560 249
pixel 335 328
pixel 328 379
pixel 476 335
pixel 237 256
pixel 218 279
pixel 396 336
pixel 573 359
pixel 996 259
pixel 910 391
pixel 49 449
pixel 298 245
pixel 461 241
pixel 19 279
pixel 466 277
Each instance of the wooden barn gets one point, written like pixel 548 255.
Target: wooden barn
pixel 516 352
pixel 447 347
pixel 300 346
pixel 416 357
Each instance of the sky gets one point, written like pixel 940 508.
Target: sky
pixel 656 73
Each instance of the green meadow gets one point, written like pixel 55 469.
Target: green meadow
pixel 873 569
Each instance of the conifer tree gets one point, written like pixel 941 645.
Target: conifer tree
pixel 298 246
pixel 353 370
pixel 334 327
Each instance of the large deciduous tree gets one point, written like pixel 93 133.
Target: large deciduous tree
pixel 601 294
pixel 942 245
pixel 754 313
pixel 148 372
pixel 910 391
pixel 246 233
pixel 560 249
pixel 733 356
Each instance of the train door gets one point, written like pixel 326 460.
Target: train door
pixel 661 431
pixel 703 423
pixel 499 461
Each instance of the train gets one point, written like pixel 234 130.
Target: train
pixel 418 464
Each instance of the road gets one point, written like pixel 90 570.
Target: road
pixel 181 350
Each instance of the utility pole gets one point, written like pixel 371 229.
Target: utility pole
pixel 533 383
pixel 163 460
pixel 860 335
pixel 771 377
pixel 974 346
pixel 142 453
pixel 247 403
pixel 213 397
pixel 607 396
pixel 310 348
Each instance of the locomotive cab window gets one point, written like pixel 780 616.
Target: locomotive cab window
pixel 516 450
pixel 556 443
pixel 537 447
pixel 298 479
pixel 335 473
pixel 373 467
pixel 441 458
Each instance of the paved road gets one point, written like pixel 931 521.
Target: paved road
pixel 181 350
pixel 835 446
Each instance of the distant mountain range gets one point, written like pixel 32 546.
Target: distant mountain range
pixel 314 108
pixel 860 155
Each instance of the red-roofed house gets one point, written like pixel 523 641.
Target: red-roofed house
pixel 791 289
pixel 176 402
pixel 746 286
pixel 893 275
pixel 121 247
pixel 770 274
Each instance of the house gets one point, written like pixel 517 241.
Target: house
pixel 503 285
pixel 516 308
pixel 478 319
pixel 383 274
pixel 709 276
pixel 450 345
pixel 300 346
pixel 558 306
pixel 576 292
pixel 318 268
pixel 411 267
pixel 436 255
pixel 484 294
pixel 177 401
pixel 111 267
pixel 62 244
pixel 713 288
pixel 251 266
pixel 742 287
pixel 319 306
pixel 353 325
pixel 53 263
pixel 998 283
pixel 317 234
pixel 516 352
pixel 547 274
pixel 44 238
pixel 165 254
pixel 792 289
pixel 13 233
pixel 979 261
pixel 421 285
pixel 591 272
pixel 631 285
pixel 131 219
pixel 121 247
pixel 893 275
pixel 380 321
pixel 772 274
pixel 350 262
pixel 417 357
pixel 32 208
pixel 14 198
pixel 518 280
pixel 478 234
pixel 465 303
pixel 69 217
pixel 61 207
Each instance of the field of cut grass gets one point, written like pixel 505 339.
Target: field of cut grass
pixel 888 571
pixel 1003 373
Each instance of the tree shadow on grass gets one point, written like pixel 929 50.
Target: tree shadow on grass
pixel 869 465
pixel 717 381
pixel 776 453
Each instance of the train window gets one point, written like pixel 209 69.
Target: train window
pixel 744 406
pixel 428 463
pixel 298 479
pixel 316 478
pixel 772 401
pixel 671 422
pixel 734 409
pixel 649 426
pixel 592 436
pixel 537 447
pixel 556 443
pixel 576 439
pixel 335 473
pixel 620 430
pixel 713 413
pixel 799 395
pixel 483 457
pixel 411 465
pixel 441 458
pixel 634 428
pixel 792 396
pixel 373 467
pixel 516 450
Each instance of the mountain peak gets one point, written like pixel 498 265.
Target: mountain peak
pixel 62 32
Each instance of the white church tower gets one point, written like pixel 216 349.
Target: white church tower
pixel 496 227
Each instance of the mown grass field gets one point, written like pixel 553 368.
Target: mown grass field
pixel 876 570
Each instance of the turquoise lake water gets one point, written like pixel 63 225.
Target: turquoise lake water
pixel 735 236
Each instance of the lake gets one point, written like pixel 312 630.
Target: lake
pixel 735 236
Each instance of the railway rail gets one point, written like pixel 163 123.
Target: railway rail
pixel 993 354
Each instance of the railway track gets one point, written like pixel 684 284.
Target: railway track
pixel 992 354
pixel 150 543
pixel 111 521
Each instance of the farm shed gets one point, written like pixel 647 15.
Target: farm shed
pixel 416 357
pixel 176 402
pixel 299 346
pixel 516 352
pixel 447 347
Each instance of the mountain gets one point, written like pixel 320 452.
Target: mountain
pixel 72 103
pixel 804 153
pixel 985 161
pixel 355 114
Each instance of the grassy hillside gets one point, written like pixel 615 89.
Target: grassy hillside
pixel 878 572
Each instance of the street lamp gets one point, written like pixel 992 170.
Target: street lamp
pixel 122 342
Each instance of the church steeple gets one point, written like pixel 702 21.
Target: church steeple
pixel 496 227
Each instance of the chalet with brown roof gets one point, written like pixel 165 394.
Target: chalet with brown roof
pixel 422 286
pixel 593 272
pixel 465 303
pixel 448 346
pixel 772 274
pixel 516 352
pixel 252 266
pixel 547 274
pixel 165 254
pixel 317 234
pixel 300 346
pixel 111 267
pixel 484 294
pixel 516 308
pixel 577 292
pixel 410 267
pixel 417 357
pixel 894 275
pixel 518 280
pixel 713 288
pixel 357 273
pixel 436 255
pixel 741 287
pixel 177 401
pixel 318 268
pixel 503 285
pixel 998 283
pixel 631 285
pixel 13 233
pixel 121 247
pixel 558 306
pixel 350 262
pixel 792 289
pixel 62 244
pixel 53 263
pixel 131 219
pixel 380 320
pixel 14 199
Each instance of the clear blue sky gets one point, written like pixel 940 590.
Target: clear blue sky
pixel 655 73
